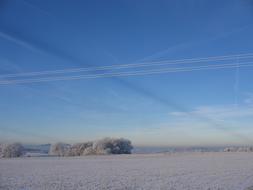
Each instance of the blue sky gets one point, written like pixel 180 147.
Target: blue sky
pixel 207 107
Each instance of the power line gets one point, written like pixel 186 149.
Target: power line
pixel 135 65
pixel 131 73
pixel 136 73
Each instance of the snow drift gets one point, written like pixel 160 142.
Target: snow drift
pixel 99 147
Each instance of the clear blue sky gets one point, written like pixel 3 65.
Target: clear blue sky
pixel 189 108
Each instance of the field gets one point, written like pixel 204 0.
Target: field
pixel 175 171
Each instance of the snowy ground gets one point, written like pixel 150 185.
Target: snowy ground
pixel 177 171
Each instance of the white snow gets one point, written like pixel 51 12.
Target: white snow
pixel 177 171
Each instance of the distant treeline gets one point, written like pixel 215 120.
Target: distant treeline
pixel 98 147
pixel 239 149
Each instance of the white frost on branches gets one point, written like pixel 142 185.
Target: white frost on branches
pixel 11 150
pixel 112 146
pixel 99 147
pixel 59 149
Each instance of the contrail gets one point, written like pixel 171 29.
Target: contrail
pixel 18 41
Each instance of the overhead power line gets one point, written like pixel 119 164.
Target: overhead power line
pixel 129 66
pixel 130 73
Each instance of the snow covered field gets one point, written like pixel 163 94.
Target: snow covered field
pixel 204 171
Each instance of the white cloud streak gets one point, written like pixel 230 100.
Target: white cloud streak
pixel 218 112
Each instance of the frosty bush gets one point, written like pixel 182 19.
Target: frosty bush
pixel 103 146
pixel 59 149
pixel 11 150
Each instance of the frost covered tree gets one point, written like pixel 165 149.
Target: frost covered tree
pixel 11 150
pixel 59 149
pixel 89 151
pixel 1 150
pixel 79 149
pixel 112 146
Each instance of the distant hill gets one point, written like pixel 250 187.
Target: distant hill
pixel 41 148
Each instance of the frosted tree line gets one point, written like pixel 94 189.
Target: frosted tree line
pixel 99 147
pixel 239 149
